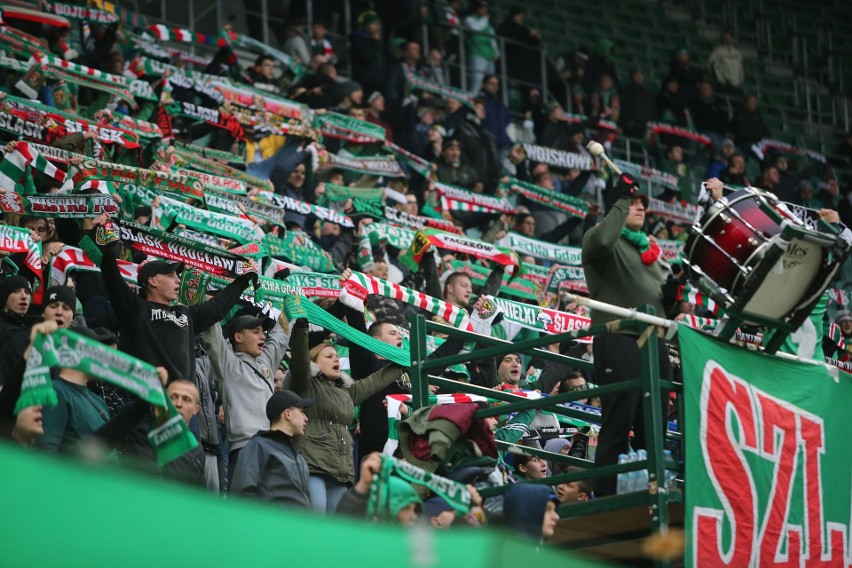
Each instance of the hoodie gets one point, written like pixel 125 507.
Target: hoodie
pixel 523 508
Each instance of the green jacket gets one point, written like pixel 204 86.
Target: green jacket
pixel 327 444
pixel 614 270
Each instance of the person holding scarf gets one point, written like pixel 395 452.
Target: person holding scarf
pixel 623 268
pixel 327 445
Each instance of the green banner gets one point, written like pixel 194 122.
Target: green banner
pixel 770 471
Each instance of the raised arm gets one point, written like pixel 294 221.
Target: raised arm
pixel 300 362
pixel 121 297
pixel 207 313
pixel 276 345
pixel 368 386
pixel 225 364
pixel 600 240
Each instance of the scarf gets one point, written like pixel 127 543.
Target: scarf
pixel 559 158
pixel 672 251
pixel 211 153
pixel 457 199
pixel 181 158
pixel 414 162
pixel 73 258
pixel 160 181
pixel 541 249
pixel 394 215
pixel 655 177
pixel 55 154
pixel 97 79
pixel 359 286
pixel 555 200
pixel 229 203
pixel 17 240
pixel 418 83
pixel 478 249
pixel 169 435
pixel 14 123
pixel 655 129
pixel 648 250
pixel 58 205
pixel 304 208
pixel 342 127
pixel 688 293
pixel 15 166
pixel 839 296
pixel 367 200
pixel 304 253
pixel 537 318
pixel 81 13
pixel 380 166
pixel 376 233
pixel 169 247
pixel 560 274
pixel 171 211
pixel 378 506
pixel 246 41
pixel 219 183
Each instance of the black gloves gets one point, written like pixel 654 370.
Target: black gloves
pixel 282 274
pixel 670 290
pixel 625 186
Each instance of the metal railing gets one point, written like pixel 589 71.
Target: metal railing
pixel 647 327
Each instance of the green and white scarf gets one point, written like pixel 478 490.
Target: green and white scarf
pixel 378 506
pixel 161 181
pixel 211 153
pixel 228 203
pixel 416 163
pixel 234 228
pixel 380 166
pixel 560 274
pixel 541 249
pixel 304 208
pixel 15 166
pixel 458 199
pixel 416 82
pixel 516 287
pixel 394 215
pixel 344 127
pixel 367 200
pixel 169 435
pixel 304 253
pixel 473 247
pixel 678 212
pixel 186 159
pixel 555 200
pixel 81 13
pixel 359 286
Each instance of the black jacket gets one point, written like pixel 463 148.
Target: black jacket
pixel 271 468
pixel 159 334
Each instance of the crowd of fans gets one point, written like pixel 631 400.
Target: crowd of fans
pixel 285 408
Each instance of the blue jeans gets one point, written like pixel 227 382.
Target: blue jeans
pixel 325 493
pixel 479 68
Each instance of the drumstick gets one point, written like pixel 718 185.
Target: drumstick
pixel 596 149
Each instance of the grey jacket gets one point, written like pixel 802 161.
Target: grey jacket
pixel 248 382
pixel 327 443
pixel 207 416
pixel 271 468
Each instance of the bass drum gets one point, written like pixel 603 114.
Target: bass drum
pixel 729 248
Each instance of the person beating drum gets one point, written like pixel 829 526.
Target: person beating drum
pixel 623 268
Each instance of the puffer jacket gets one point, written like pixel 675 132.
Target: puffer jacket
pixel 327 444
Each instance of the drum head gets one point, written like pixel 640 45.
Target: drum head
pixel 785 284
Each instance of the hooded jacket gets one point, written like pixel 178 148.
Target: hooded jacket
pixel 248 381
pixel 523 508
pixel 271 468
pixel 327 444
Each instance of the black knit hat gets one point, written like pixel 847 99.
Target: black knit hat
pixel 9 285
pixel 61 294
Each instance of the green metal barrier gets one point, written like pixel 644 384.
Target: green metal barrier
pixel 657 497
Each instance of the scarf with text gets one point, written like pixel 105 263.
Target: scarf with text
pixel 534 317
pixel 242 206
pixel 342 127
pixel 170 211
pixel 17 240
pixel 559 158
pixel 385 166
pixel 88 77
pixel 394 215
pixel 516 287
pixel 541 249
pixel 418 83
pixel 160 181
pixel 473 247
pixel 683 213
pixel 366 200
pixel 58 205
pixel 169 434
pixel 81 13
pixel 304 208
pixel 211 153
pixel 413 161
pixel 181 158
pixel 655 177
pixel 379 503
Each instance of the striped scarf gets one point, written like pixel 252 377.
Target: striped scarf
pixel 457 199
pixel 359 286
pixel 688 293
pixel 14 166
pixel 74 259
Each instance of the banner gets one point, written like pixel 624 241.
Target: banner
pixel 537 318
pixel 770 471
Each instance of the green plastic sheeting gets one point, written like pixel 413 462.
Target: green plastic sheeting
pixel 57 512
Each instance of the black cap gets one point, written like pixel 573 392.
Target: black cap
pixel 154 267
pixel 61 294
pixel 283 400
pixel 242 322
pixel 142 211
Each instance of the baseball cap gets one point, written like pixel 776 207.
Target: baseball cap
pixel 154 267
pixel 283 400
pixel 245 321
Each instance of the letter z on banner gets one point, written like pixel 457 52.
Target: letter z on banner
pixel 769 462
